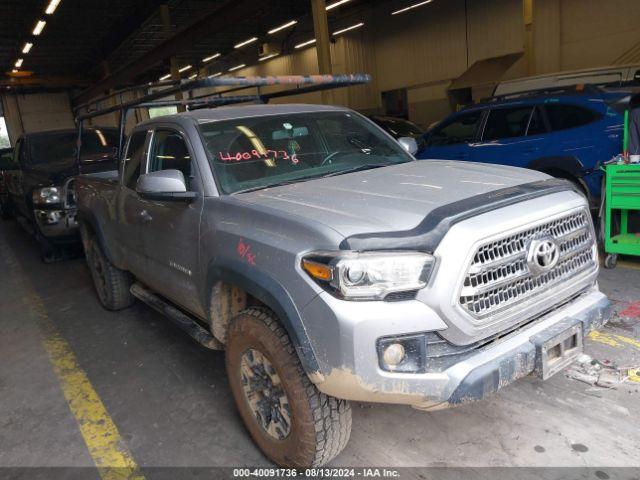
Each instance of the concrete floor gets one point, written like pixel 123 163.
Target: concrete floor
pixel 171 403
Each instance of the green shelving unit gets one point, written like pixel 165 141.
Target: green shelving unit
pixel 622 193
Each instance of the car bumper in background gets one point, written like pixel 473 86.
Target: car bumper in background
pixel 57 224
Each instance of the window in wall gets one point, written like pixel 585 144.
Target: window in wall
pixel 160 111
pixel 4 134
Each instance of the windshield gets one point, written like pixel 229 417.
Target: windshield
pixel 61 146
pixel 258 152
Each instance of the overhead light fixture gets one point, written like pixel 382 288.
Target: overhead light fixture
pixel 208 59
pixel 185 68
pixel 53 4
pixel 215 75
pixel 246 42
pixel 411 7
pixel 237 67
pixel 193 76
pixel 27 47
pixel 282 27
pixel 15 70
pixel 166 77
pixel 268 57
pixel 352 27
pixel 336 4
pixel 37 30
pixel 18 63
pixel 304 44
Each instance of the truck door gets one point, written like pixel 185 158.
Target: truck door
pixel 129 205
pixel 172 228
pixel 511 136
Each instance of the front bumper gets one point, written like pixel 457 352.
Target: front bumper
pixel 57 224
pixel 345 345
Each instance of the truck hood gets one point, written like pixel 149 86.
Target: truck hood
pixel 56 172
pixel 394 198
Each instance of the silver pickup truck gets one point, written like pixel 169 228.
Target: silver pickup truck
pixel 330 265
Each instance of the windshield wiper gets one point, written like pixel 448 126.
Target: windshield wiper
pixel 359 168
pixel 279 184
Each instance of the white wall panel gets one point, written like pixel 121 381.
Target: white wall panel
pixel 36 112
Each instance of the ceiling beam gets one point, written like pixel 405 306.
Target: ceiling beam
pixel 228 13
pixel 42 82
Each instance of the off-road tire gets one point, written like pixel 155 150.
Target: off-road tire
pixel 112 284
pixel 320 424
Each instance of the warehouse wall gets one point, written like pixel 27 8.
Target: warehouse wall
pixel 423 51
pixel 575 34
pixel 36 112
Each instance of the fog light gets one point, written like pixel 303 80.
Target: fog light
pixel 394 354
pixel 405 354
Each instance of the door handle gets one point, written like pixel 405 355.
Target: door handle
pixel 145 216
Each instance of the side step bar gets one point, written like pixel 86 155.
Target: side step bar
pixel 182 320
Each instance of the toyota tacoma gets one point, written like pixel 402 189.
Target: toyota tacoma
pixel 331 266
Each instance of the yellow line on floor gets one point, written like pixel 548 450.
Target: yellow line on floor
pixel 106 447
pixel 613 340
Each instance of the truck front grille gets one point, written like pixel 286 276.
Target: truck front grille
pixel 499 277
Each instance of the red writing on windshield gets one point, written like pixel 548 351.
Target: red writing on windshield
pixel 255 155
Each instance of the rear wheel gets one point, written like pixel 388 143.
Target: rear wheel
pixel 112 284
pixel 293 423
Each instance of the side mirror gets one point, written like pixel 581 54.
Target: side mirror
pixel 165 185
pixel 409 144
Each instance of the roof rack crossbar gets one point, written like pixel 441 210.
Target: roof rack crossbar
pixel 569 89
pixel 202 103
pixel 320 82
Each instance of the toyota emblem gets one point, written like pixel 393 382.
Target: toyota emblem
pixel 543 255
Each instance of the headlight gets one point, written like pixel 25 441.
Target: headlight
pixel 370 275
pixel 46 196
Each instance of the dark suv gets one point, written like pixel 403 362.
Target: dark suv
pixel 566 135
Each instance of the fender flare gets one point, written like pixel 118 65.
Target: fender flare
pixel 567 164
pixel 269 291
pixel 89 218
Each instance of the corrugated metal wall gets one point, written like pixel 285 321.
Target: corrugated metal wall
pixel 423 51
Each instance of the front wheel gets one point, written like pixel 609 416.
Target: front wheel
pixel 293 423
pixel 112 284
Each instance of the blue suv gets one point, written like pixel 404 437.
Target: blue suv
pixel 566 135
